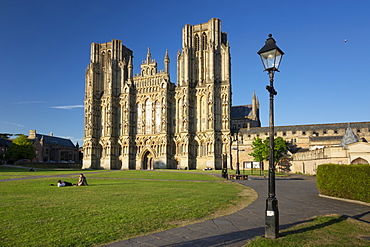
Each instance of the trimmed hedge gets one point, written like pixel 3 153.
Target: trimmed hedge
pixel 344 181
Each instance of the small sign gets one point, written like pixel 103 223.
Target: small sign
pixel 270 213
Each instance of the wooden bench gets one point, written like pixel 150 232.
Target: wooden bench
pixel 238 177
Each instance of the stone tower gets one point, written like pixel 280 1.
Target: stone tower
pixel 146 121
pixel 108 74
pixel 203 96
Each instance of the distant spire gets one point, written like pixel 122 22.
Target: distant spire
pixel 129 67
pixel 148 56
pixel 254 95
pixel 255 106
pixel 166 63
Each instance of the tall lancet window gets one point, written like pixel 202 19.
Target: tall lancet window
pixel 148 117
pixel 204 41
pixel 139 117
pixel 196 41
pixel 158 117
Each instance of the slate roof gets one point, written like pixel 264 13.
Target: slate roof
pixel 240 111
pixel 52 140
pixel 5 142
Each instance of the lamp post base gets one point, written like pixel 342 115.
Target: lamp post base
pixel 272 218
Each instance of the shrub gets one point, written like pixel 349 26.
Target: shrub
pixel 344 181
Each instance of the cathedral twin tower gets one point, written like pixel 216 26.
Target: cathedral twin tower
pixel 148 122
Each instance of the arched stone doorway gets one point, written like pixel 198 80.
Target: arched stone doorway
pixel 359 161
pixel 147 161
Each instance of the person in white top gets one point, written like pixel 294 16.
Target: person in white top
pixel 63 183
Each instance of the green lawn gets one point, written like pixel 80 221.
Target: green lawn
pixel 116 205
pixel 9 172
pixel 334 230
pixel 168 175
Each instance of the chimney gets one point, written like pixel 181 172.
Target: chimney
pixel 51 133
pixel 32 134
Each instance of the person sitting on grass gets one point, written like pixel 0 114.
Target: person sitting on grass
pixel 82 180
pixel 64 183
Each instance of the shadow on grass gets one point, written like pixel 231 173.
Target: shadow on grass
pixel 314 227
pixel 322 225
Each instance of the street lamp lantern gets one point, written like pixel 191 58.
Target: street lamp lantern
pixel 271 56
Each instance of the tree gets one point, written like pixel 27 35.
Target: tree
pixel 5 135
pixel 280 148
pixel 22 148
pixel 261 149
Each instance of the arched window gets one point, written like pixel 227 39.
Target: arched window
pixel 148 117
pixel 139 117
pixel 204 41
pixel 196 40
pixel 158 117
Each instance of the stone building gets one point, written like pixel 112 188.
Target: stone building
pixel 4 146
pixel 311 145
pixel 51 148
pixel 145 121
pixel 246 116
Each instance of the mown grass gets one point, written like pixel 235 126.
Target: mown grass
pixel 13 172
pixel 157 175
pixel 116 205
pixel 333 230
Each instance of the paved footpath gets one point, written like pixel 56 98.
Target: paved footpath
pixel 298 201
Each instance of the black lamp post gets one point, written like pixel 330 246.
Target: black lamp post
pixel 271 56
pixel 236 138
pixel 224 166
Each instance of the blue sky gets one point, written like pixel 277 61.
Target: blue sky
pixel 45 48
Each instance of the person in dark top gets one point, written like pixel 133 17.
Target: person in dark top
pixel 82 180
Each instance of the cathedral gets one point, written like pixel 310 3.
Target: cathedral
pixel 145 121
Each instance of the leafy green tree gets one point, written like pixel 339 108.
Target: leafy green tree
pixel 22 148
pixel 261 149
pixel 280 148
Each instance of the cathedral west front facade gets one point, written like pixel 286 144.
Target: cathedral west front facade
pixel 145 121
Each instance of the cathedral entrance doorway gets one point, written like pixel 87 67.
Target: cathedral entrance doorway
pixel 147 161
